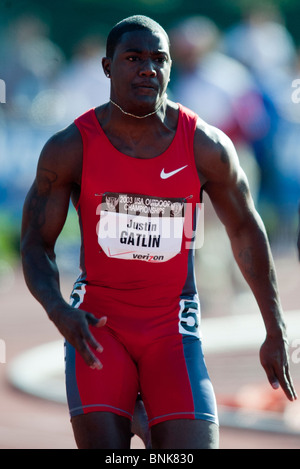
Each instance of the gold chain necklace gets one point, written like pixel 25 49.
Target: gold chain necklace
pixel 133 115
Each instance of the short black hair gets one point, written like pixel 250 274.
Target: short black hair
pixel 132 23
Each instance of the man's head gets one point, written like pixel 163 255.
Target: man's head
pixel 138 64
pixel 133 23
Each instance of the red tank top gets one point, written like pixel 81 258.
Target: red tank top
pixel 137 219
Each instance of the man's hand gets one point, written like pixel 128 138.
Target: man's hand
pixel 74 324
pixel 274 359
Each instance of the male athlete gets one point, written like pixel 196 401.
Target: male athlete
pixel 134 168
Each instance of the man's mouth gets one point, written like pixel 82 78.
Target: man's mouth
pixel 145 86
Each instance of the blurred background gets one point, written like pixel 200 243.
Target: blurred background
pixel 235 64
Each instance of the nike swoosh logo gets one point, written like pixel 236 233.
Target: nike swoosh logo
pixel 164 175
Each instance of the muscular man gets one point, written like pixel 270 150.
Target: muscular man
pixel 134 169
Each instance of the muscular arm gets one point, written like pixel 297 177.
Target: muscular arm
pixel 44 214
pixel 227 187
pixel 45 202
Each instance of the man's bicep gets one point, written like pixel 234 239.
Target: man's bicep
pixel 45 211
pixel 232 201
pixel 47 202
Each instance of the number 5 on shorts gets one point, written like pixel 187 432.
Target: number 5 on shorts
pixel 189 317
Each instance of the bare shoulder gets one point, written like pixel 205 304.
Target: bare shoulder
pixel 62 155
pixel 215 155
pixel 172 114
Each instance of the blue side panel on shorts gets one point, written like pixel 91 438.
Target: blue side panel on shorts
pixel 82 257
pixel 73 396
pixel 189 288
pixel 205 407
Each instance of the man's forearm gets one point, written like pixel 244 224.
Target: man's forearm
pixel 42 277
pixel 253 255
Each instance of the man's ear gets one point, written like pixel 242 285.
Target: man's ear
pixel 106 66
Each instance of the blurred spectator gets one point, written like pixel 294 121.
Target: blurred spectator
pixel 217 87
pixel 263 44
pixel 82 83
pixel 44 92
pixel 30 63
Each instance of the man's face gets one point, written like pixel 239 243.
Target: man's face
pixel 140 70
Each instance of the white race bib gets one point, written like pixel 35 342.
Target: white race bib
pixel 140 227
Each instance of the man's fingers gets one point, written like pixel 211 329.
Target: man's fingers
pixel 274 359
pixel 90 341
pixel 283 380
pixel 274 382
pixel 93 321
pixel 87 341
pixel 101 322
pixel 90 359
pixel 290 383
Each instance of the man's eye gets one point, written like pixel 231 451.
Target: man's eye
pixel 161 59
pixel 132 58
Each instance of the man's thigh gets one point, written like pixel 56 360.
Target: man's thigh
pixel 185 434
pixel 113 389
pixel 175 383
pixel 101 430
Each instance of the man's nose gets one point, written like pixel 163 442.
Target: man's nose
pixel 147 69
